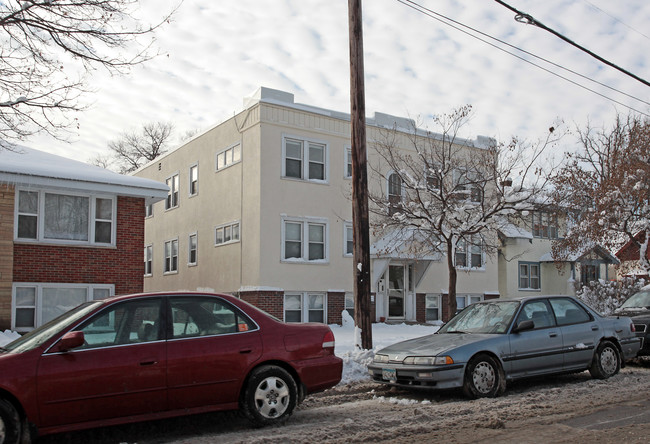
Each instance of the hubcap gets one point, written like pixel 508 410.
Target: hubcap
pixel 483 377
pixel 608 361
pixel 272 397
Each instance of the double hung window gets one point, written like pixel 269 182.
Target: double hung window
pixel 305 307
pixel 529 276
pixel 305 159
pixel 171 256
pixel 304 240
pixel 172 196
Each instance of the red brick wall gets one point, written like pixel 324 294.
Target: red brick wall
pixel 6 253
pixel 271 302
pixel 420 307
pixel 121 266
pixel 335 305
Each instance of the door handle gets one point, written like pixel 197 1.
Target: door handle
pixel 243 351
pixel 152 362
pixel 594 328
pixel 552 335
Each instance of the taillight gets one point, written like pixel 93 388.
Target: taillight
pixel 328 339
pixel 632 329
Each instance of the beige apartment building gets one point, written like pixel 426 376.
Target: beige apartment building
pixel 259 207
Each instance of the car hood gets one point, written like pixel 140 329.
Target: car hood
pixel 431 345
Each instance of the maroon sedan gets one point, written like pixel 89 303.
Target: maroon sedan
pixel 151 356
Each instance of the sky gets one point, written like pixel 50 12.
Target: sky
pixel 215 53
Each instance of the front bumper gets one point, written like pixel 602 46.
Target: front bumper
pixel 414 376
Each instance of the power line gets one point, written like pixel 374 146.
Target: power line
pixel 621 22
pixel 445 20
pixel 530 20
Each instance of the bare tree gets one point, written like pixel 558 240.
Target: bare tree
pixel 134 149
pixel 446 196
pixel 43 40
pixel 606 184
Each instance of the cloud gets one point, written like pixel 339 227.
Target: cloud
pixel 216 53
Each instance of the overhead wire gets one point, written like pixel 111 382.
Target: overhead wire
pixel 452 23
pixel 528 19
pixel 620 21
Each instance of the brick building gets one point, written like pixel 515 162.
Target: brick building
pixel 69 232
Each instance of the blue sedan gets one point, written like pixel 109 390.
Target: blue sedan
pixel 492 342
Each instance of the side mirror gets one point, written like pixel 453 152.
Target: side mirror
pixel 70 340
pixel 523 326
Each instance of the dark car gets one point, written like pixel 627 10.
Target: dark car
pixel 492 342
pixel 151 356
pixel 637 307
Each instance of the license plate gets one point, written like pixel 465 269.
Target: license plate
pixel 389 374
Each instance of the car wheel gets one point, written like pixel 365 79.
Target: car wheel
pixel 270 396
pixel 484 378
pixel 606 362
pixel 9 423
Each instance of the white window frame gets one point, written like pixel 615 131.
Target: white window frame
pixel 148 211
pixel 172 200
pixel 195 249
pixel 348 238
pixel 529 276
pixel 438 307
pixel 232 155
pixel 304 304
pixel 347 162
pixel 170 269
pixel 234 228
pixel 193 185
pixel 38 307
pixel 468 246
pixel 468 299
pixel 304 241
pixel 92 218
pixel 305 160
pixel 148 259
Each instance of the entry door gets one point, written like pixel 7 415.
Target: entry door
pixel 396 291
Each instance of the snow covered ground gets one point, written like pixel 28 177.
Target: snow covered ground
pixel 354 360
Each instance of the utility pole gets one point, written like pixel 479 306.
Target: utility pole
pixel 360 220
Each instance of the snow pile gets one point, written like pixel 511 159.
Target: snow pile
pixel 7 336
pixel 355 360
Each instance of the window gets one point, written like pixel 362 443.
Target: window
pixel 194 180
pixel 227 234
pixel 171 256
pixel 192 250
pixel 432 307
pixel 228 157
pixel 37 303
pixel 545 225
pixel 468 184
pixel 172 195
pixel 304 159
pixel 529 277
pixel 148 260
pixel 349 304
pixel 348 163
pixel 589 273
pixel 569 312
pixel 304 240
pixel 469 254
pixel 130 322
pixel 434 178
pixel 348 239
pixel 207 316
pixel 394 193
pixel 463 301
pixel 537 311
pixel 304 307
pixel 148 210
pixel 65 218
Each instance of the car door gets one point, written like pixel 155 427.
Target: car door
pixel 119 371
pixel 211 346
pixel 539 350
pixel 580 332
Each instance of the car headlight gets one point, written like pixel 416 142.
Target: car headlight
pixel 428 360
pixel 381 358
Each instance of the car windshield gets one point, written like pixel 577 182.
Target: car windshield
pixel 483 317
pixel 637 301
pixel 42 334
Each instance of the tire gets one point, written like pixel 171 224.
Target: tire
pixel 10 427
pixel 270 396
pixel 484 378
pixel 606 362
